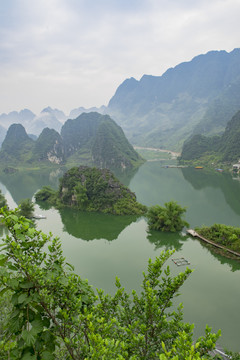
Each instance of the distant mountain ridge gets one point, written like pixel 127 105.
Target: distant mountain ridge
pixel 48 117
pixel 163 111
pixel 91 139
pixel 195 97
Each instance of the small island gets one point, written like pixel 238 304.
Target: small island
pixel 92 189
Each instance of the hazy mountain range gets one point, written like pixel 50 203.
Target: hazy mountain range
pixel 91 139
pixel 195 97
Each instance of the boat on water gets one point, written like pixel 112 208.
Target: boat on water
pixel 198 167
pixel 37 216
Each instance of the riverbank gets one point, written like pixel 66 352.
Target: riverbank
pixel 224 236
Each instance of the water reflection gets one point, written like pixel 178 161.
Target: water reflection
pixel 125 176
pixel 234 264
pixel 24 184
pixel 200 179
pixel 166 240
pixel 90 226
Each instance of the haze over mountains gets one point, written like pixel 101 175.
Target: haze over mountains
pixel 195 97
pixel 91 139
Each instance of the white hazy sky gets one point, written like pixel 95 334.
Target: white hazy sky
pixel 71 53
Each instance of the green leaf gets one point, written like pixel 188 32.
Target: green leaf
pixel 31 232
pixel 12 267
pixel 3 291
pixel 26 285
pixel 14 299
pixel 13 217
pixel 37 326
pixel 22 298
pixel 13 283
pixel 17 226
pixel 70 266
pixel 29 337
pixel 29 356
pixel 15 325
pixel 46 355
pixel 3 259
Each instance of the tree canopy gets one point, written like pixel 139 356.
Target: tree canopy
pixel 55 314
pixel 168 218
pixel 26 208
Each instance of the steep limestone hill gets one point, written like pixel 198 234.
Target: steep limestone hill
pixel 91 139
pixel 95 139
pixel 92 189
pixel 49 147
pixel 17 146
pixel 162 111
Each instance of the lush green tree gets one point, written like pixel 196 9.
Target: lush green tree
pixel 80 194
pixel 45 194
pixel 168 218
pixel 228 236
pixel 54 314
pixel 3 201
pixel 26 208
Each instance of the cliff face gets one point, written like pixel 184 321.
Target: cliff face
pixel 49 146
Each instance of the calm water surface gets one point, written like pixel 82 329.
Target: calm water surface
pixel 103 246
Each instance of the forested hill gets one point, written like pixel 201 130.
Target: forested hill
pixel 224 148
pixel 163 111
pixel 91 139
pixel 92 189
pixel 17 145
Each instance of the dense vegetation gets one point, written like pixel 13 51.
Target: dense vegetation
pixel 3 201
pixel 17 146
pixel 26 208
pixel 54 314
pixel 91 139
pixel 92 189
pixel 225 148
pixel 228 236
pixel 49 146
pixel 168 218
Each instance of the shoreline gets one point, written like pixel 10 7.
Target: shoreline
pixel 173 153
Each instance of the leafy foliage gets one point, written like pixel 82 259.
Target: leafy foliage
pixel 168 218
pixel 26 207
pixel 225 235
pixel 93 189
pixel 55 314
pixel 45 194
pixel 3 201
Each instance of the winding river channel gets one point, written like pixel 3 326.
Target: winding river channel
pixel 102 246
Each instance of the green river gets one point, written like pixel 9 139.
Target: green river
pixel 104 246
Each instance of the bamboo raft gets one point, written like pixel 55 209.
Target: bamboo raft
pixel 195 234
